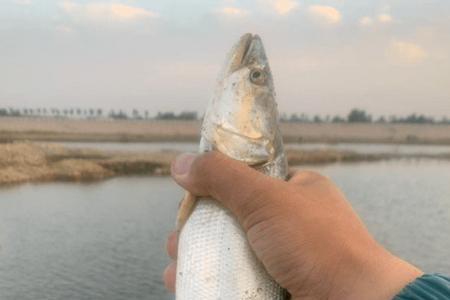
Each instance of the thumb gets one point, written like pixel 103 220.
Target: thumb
pixel 237 186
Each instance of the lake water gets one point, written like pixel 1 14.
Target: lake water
pixel 193 147
pixel 106 241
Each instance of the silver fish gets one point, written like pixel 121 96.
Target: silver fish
pixel 215 260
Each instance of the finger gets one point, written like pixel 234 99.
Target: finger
pixel 170 276
pixel 172 245
pixel 236 185
pixel 306 177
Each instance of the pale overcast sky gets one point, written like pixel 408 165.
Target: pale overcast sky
pixel 327 56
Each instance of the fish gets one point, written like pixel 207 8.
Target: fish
pixel 215 260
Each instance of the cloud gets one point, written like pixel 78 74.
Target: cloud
pixel 97 11
pixel 406 52
pixel 379 19
pixel 366 21
pixel 384 18
pixel 233 11
pixel 325 14
pixel 283 7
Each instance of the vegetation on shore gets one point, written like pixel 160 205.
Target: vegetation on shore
pixel 354 116
pixel 26 162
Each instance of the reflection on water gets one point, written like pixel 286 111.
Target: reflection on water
pixel 106 240
pixel 97 241
pixel 405 204
pixel 193 147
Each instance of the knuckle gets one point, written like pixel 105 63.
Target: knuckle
pixel 203 163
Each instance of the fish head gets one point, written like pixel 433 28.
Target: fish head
pixel 242 119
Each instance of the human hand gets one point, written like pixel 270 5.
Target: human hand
pixel 304 231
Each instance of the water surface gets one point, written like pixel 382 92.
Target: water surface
pixel 97 241
pixel 106 240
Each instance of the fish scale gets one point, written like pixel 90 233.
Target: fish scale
pixel 215 260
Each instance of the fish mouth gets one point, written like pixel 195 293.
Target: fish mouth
pixel 248 49
pixel 253 150
pixel 252 138
pixel 246 43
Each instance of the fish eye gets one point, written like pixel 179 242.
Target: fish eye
pixel 257 76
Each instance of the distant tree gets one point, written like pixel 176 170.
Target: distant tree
pixel 165 116
pixel 147 115
pixel 393 119
pixel 294 118
pixel 135 114
pixel 304 118
pixel 118 116
pixel 381 119
pixel 417 119
pixel 358 116
pixel 99 112
pixel 283 117
pixel 317 119
pixel 3 112
pixel 188 115
pixel 337 119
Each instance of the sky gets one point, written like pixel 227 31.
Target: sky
pixel 327 56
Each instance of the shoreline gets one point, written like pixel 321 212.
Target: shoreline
pixel 28 162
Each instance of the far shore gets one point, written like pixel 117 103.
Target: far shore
pixel 71 130
pixel 31 162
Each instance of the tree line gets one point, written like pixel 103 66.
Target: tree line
pixel 361 116
pixel 96 113
pixel 354 116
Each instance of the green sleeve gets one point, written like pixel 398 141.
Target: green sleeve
pixel 427 287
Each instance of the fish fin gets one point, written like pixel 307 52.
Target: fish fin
pixel 185 209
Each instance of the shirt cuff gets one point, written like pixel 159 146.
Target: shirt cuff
pixel 427 287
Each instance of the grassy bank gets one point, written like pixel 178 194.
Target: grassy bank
pixel 24 162
pixel 27 162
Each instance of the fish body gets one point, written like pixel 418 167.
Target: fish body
pixel 215 260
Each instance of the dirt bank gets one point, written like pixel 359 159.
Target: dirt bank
pixel 26 162
pixel 51 129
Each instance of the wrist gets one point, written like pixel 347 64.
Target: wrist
pixel 381 276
